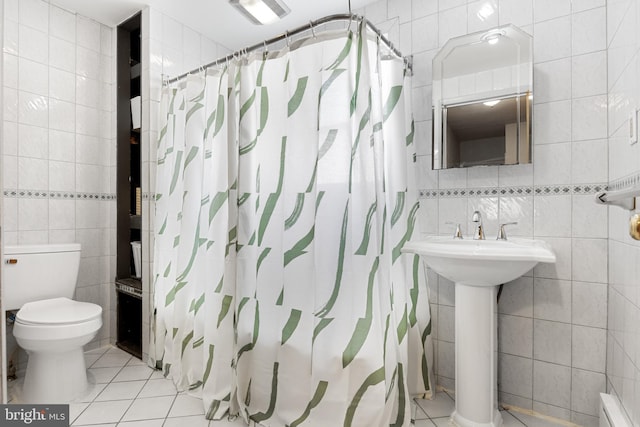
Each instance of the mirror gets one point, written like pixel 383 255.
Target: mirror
pixel 482 99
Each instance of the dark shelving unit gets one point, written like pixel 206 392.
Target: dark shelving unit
pixel 129 220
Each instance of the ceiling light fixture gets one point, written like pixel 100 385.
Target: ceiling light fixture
pixel 491 103
pixel 492 36
pixel 261 12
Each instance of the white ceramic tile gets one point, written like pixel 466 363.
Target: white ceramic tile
pixel 11 10
pixel 588 31
pixel 552 300
pixel 35 14
pixel 552 216
pixel 91 393
pixel 446 323
pixel 552 384
pixel 552 80
pixel 520 210
pixel 10 63
pixel 88 63
pixel 446 291
pixel 421 8
pixel 171 33
pixel 424 33
pixel 549 164
pixel 589 118
pixel 549 9
pixel 62 24
pixel 589 161
pixel 33 142
pixel 192 421
pixel 589 218
pixel 10 105
pixel 400 9
pixel 589 74
pixel 516 298
pixel 585 391
pixel 445 361
pixel 441 406
pixel 589 262
pixel 62 85
pixel 482 15
pixel 87 91
pixel 120 391
pixel 515 335
pixel 552 342
pixel 106 40
pixel 32 109
pixel 10 139
pixel 149 408
pixel 62 115
pixel 451 23
pixel 62 54
pixel 452 210
pixel 545 409
pixel 551 123
pixel 33 174
pixel 87 121
pixel 561 269
pixel 516 12
pixel 11 32
pixel 88 33
pixel 62 145
pixel 589 304
pixel 10 214
pixel 552 40
pixel 62 214
pixel 448 4
pixel 103 412
pixel 75 409
pixel 516 375
pixel 144 423
pixel 186 405
pixel 158 387
pixel 131 373
pixel 589 349
pixel 33 44
pixel 111 360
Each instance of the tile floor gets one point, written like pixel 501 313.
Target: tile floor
pixel 126 392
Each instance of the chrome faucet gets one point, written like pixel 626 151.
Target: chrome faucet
pixel 479 233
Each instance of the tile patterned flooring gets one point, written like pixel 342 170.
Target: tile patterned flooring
pixel 126 392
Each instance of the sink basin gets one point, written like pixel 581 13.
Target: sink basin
pixel 481 262
pixel 477 267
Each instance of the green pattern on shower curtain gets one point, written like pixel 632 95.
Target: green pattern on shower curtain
pixel 285 191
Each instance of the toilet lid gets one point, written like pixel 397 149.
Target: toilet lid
pixel 57 311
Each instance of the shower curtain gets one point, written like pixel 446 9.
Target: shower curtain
pixel 285 191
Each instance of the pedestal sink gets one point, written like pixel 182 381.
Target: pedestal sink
pixel 477 267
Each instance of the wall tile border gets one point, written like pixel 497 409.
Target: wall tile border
pixel 547 190
pixel 59 195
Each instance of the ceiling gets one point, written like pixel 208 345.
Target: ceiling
pixel 216 19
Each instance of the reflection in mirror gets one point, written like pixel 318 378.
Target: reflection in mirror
pixel 482 96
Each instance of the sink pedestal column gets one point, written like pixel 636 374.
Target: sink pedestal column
pixel 476 357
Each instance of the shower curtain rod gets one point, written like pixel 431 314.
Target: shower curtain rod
pixel 299 30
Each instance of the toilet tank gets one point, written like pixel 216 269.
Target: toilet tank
pixel 37 272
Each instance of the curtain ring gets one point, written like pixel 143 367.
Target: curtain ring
pixel 286 35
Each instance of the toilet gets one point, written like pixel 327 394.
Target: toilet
pixel 39 281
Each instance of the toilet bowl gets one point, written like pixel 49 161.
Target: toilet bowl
pixel 49 326
pixel 52 332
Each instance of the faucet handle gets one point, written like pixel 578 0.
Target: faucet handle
pixel 502 235
pixel 458 232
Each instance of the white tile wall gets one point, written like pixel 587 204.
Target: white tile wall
pixel 623 332
pixel 558 310
pixel 53 143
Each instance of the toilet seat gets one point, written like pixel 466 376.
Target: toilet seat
pixel 57 312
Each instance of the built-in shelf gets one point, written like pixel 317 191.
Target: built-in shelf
pixel 129 209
